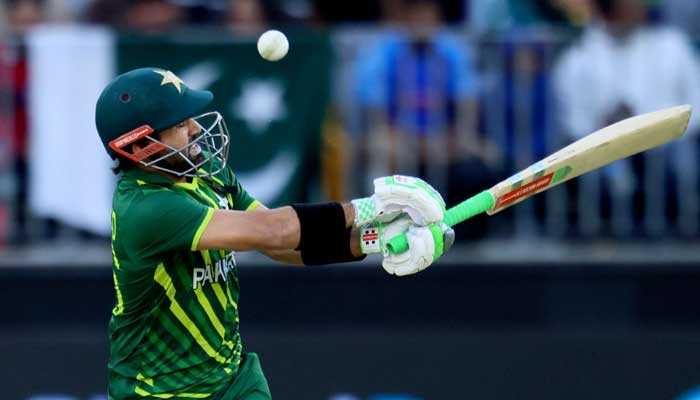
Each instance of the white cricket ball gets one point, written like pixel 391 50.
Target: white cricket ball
pixel 273 45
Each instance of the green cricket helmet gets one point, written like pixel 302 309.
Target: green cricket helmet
pixel 144 101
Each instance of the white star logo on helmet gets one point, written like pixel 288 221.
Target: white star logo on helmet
pixel 169 77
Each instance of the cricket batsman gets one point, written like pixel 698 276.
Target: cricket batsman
pixel 178 216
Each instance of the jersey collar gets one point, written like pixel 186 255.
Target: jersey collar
pixel 140 175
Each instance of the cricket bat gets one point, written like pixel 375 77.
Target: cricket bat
pixel 614 142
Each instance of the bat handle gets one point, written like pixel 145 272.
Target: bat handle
pixel 470 207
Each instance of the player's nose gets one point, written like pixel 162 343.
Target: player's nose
pixel 193 128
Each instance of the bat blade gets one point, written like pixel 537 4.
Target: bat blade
pixel 612 143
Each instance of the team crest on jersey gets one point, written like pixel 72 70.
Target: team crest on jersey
pixel 214 273
pixel 223 202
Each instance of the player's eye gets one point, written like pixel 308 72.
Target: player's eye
pixel 181 125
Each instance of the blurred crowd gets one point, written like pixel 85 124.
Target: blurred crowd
pixel 425 86
pixel 476 15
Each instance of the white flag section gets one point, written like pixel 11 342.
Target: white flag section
pixel 70 176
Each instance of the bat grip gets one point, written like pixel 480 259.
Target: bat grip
pixel 470 207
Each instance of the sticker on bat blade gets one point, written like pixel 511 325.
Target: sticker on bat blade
pixel 538 168
pixel 524 191
pixel 515 181
pixel 560 174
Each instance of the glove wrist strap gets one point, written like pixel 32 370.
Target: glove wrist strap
pixel 364 211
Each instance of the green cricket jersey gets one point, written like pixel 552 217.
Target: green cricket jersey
pixel 174 328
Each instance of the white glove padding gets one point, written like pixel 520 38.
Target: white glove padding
pixel 420 253
pixel 421 242
pixel 398 194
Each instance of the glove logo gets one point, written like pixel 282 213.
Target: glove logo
pixel 370 236
pixel 403 179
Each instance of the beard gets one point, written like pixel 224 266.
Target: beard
pixel 178 162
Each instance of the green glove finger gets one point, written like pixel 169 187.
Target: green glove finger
pixel 436 230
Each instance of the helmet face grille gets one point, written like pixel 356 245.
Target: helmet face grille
pixel 212 143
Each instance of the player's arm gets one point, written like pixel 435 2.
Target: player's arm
pixel 294 256
pixel 324 233
pixel 278 232
pixel 283 256
pixel 276 229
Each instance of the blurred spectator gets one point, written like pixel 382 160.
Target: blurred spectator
pixel 21 16
pixel 489 15
pixel 203 12
pixel 344 11
pixel 295 10
pixel 152 16
pixel 682 14
pixel 418 88
pixel 105 12
pixel 339 12
pixel 498 15
pixel 142 16
pixel 246 17
pixel 622 66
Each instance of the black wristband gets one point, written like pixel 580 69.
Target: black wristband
pixel 324 237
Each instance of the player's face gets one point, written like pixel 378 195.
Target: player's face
pixel 179 136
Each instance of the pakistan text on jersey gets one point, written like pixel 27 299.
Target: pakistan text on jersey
pixel 211 273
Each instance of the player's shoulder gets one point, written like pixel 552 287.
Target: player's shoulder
pixel 137 197
pixel 132 187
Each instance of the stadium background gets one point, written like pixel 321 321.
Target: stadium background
pixel 585 292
